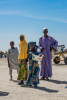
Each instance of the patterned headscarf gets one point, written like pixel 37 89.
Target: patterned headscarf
pixel 32 43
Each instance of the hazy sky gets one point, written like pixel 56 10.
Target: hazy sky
pixel 29 17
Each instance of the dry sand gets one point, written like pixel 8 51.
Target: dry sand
pixel 52 90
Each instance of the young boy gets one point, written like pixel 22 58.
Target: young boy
pixel 12 58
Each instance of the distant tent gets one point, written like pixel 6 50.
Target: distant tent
pixel 1 55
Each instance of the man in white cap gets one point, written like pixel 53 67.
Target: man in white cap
pixel 46 43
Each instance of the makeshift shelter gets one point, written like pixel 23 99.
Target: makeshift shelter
pixel 1 54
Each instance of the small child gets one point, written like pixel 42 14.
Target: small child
pixel 33 77
pixel 12 58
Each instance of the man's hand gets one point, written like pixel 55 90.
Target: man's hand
pixel 26 60
pixel 30 53
pixel 51 48
pixel 8 65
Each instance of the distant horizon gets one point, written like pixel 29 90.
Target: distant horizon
pixel 29 17
pixel 27 42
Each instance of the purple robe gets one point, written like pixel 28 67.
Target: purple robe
pixel 46 65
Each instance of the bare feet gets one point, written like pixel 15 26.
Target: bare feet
pixel 21 82
pixel 47 79
pixel 26 85
pixel 11 79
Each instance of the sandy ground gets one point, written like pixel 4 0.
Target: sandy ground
pixel 52 90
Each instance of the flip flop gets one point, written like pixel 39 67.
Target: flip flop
pixel 30 85
pixel 24 86
pixel 42 78
pixel 11 79
pixel 20 83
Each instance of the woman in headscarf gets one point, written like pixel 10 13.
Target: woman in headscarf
pixel 33 74
pixel 22 60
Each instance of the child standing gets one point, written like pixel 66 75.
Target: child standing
pixel 33 77
pixel 12 58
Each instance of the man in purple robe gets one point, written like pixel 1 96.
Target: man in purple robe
pixel 46 44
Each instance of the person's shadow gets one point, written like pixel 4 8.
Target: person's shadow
pixel 45 89
pixel 41 88
pixel 58 82
pixel 4 93
pixel 16 81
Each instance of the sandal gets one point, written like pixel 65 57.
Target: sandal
pixel 42 78
pixel 20 83
pixel 30 85
pixel 47 79
pixel 11 79
pixel 24 85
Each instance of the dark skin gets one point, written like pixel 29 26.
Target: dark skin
pixel 31 46
pixel 45 35
pixel 21 38
pixel 12 46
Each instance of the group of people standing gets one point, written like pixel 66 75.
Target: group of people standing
pixel 18 60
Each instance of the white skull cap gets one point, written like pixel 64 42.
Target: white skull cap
pixel 45 29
